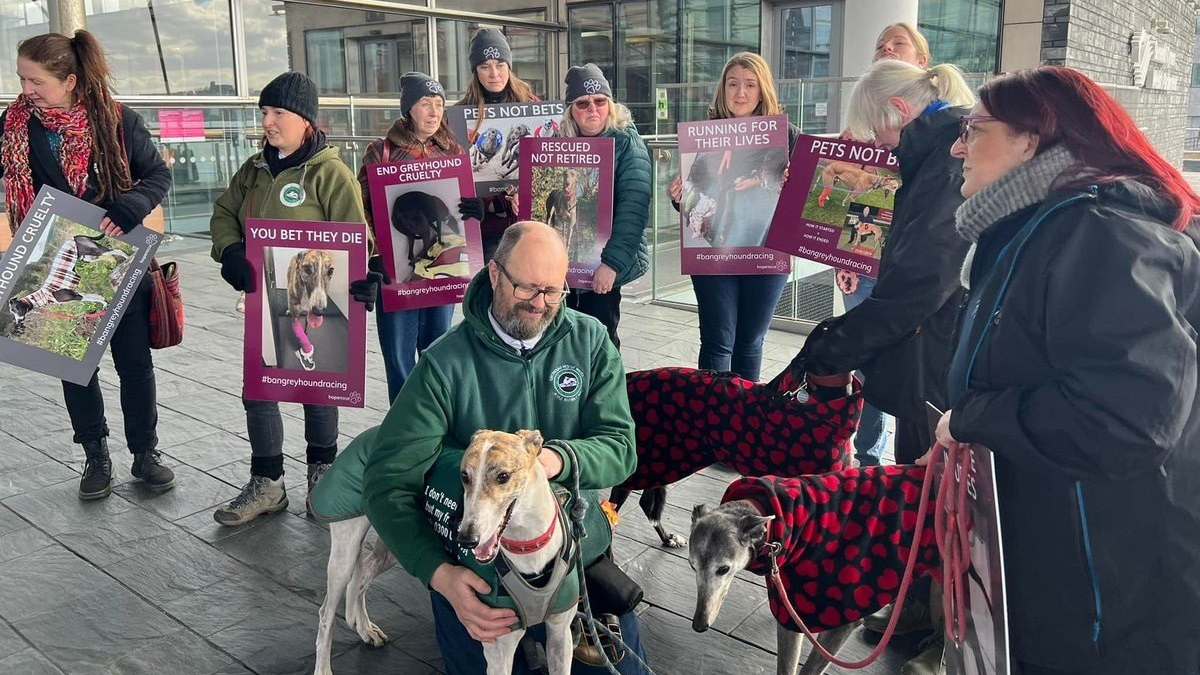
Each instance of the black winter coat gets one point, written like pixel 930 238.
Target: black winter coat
pixel 1081 376
pixel 901 336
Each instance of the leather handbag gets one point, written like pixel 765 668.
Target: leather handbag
pixel 166 305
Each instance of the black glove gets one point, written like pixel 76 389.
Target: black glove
pixel 471 207
pixel 235 269
pixel 367 290
pixel 122 216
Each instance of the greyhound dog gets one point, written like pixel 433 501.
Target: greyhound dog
pixel 507 506
pixel 562 212
pixel 420 215
pixel 840 541
pixel 62 280
pixel 485 147
pixel 688 419
pixel 308 276
pixel 512 149
pixel 856 179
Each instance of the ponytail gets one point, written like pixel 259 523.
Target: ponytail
pixel 869 109
pixel 950 84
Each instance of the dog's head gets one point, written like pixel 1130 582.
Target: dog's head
pixel 314 267
pixel 496 469
pixel 890 185
pixel 517 132
pixel 723 542
pixel 19 307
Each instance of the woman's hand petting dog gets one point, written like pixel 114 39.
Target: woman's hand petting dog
pixel 459 586
pixel 367 290
pixel 235 269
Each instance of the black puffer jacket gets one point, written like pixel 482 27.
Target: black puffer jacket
pixel 901 335
pixel 1081 376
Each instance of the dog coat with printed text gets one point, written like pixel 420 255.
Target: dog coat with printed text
pixel 846 538
pixel 689 419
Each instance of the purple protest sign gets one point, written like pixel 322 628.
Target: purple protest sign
pixel 732 170
pixel 429 251
pixel 836 208
pixel 306 340
pixel 568 184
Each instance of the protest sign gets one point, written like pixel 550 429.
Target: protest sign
pixel 429 251
pixel 732 171
pixel 836 208
pixel 493 140
pixel 568 184
pixel 306 340
pixel 66 286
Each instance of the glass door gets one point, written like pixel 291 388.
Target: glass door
pixel 805 49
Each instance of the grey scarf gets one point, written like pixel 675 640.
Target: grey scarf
pixel 1026 185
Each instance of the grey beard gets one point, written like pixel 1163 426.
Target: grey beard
pixel 512 325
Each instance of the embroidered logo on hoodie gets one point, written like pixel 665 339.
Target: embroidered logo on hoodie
pixel 567 382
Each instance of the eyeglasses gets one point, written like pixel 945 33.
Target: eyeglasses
pixel 526 292
pixel 585 103
pixel 965 128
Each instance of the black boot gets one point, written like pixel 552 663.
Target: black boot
pixel 97 471
pixel 148 466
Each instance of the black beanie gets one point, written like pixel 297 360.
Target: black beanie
pixel 586 80
pixel 489 43
pixel 292 91
pixel 415 86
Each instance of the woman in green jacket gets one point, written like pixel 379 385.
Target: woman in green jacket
pixel 297 176
pixel 591 111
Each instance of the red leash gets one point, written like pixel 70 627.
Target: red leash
pixel 951 518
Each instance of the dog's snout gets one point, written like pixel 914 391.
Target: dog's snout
pixel 699 625
pixel 467 538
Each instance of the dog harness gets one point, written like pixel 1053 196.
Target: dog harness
pixel 537 597
pixel 688 419
pixel 845 539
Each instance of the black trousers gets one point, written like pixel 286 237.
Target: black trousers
pixel 604 306
pixel 130 346
pixel 912 440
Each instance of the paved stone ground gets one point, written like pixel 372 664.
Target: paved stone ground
pixel 140 583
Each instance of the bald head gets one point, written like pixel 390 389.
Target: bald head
pixel 530 238
pixel 531 256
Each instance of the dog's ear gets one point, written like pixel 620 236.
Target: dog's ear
pixel 752 528
pixel 533 440
pixel 698 512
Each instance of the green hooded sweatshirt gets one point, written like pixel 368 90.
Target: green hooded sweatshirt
pixel 570 386
pixel 328 192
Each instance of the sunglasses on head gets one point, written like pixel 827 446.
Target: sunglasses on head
pixel 965 122
pixel 585 103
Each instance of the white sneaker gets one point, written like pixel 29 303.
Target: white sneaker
pixel 260 496
pixel 306 360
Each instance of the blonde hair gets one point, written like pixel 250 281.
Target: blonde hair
pixel 918 40
pixel 619 117
pixel 869 110
pixel 769 101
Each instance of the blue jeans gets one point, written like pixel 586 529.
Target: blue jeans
pixel 405 334
pixel 735 313
pixel 463 655
pixel 871 440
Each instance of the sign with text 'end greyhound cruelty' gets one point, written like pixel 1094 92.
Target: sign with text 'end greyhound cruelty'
pixel 306 340
pixel 983 626
pixel 66 286
pixel 836 207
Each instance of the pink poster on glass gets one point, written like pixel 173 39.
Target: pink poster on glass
pixel 179 125
pixel 837 206
pixel 430 252
pixel 568 184
pixel 732 171
pixel 306 339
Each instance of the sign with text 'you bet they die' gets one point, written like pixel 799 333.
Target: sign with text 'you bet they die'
pixel 306 339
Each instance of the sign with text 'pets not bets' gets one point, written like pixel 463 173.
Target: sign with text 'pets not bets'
pixel 836 207
pixel 66 286
pixel 492 136
pixel 568 184
pixel 731 171
pixel 429 250
pixel 305 337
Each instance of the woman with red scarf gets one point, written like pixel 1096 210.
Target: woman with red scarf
pixel 66 131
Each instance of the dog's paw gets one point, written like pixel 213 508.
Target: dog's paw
pixel 675 541
pixel 372 635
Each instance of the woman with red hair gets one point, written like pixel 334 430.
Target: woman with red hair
pixel 1076 365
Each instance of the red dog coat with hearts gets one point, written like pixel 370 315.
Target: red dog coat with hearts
pixel 845 536
pixel 688 419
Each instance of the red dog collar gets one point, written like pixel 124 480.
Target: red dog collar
pixel 531 545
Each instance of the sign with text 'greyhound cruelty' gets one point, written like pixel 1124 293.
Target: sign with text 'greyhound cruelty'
pixel 984 645
pixel 836 208
pixel 731 173
pixel 306 340
pixel 429 251
pixel 493 138
pixel 67 285
pixel 568 184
